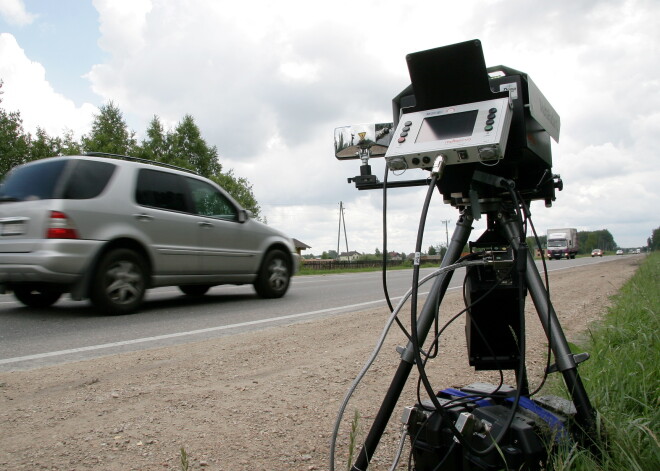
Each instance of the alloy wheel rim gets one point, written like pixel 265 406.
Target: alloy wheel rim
pixel 124 282
pixel 278 275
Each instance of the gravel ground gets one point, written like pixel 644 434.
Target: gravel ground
pixel 259 401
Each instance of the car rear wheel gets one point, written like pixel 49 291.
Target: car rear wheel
pixel 274 276
pixel 194 290
pixel 37 296
pixel 120 282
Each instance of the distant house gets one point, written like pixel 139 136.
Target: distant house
pixel 349 256
pixel 300 246
pixel 395 256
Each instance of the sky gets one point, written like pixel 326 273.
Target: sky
pixel 268 82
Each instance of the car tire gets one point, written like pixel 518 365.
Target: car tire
pixel 120 282
pixel 274 276
pixel 37 296
pixel 194 290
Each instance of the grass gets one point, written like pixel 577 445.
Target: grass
pixel 184 460
pixel 622 378
pixel 352 439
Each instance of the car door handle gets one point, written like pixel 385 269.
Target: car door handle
pixel 143 217
pixel 204 224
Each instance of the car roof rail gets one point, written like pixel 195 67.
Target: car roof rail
pixel 138 159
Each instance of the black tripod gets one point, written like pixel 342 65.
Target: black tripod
pixel 502 220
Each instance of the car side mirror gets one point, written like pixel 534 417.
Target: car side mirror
pixel 244 215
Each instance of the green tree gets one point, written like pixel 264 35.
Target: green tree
pixel 432 250
pixel 601 239
pixel 185 147
pixel 240 189
pixel 654 241
pixel 157 145
pixel 42 145
pixel 14 143
pixel 191 151
pixel 110 133
pixel 69 145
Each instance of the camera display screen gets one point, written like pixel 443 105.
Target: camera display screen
pixel 447 126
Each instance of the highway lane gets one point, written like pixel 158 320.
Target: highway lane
pixel 72 331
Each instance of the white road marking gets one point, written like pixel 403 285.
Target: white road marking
pixel 209 329
pixel 39 356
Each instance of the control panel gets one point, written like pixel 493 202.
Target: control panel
pixel 466 133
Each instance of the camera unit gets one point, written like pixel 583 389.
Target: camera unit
pixel 494 120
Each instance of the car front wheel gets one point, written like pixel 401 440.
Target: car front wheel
pixel 37 296
pixel 275 275
pixel 120 282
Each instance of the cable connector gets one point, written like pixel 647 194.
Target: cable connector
pixel 407 415
pixel 439 165
pixel 467 424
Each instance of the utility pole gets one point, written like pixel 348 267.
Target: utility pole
pixel 445 222
pixel 341 220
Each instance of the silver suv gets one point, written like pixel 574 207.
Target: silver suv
pixel 109 227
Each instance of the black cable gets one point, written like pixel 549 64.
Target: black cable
pixel 416 347
pixel 387 295
pixel 459 314
pixel 415 339
pixel 521 365
pixel 413 319
pixel 384 271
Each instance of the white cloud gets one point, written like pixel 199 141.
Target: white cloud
pixel 14 12
pixel 27 90
pixel 267 83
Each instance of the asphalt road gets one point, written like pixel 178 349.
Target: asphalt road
pixel 70 331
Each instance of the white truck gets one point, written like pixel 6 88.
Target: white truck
pixel 562 243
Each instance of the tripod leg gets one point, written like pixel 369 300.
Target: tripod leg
pixel 425 322
pixel 586 416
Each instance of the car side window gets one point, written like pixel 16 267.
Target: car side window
pixel 88 179
pixel 161 190
pixel 208 201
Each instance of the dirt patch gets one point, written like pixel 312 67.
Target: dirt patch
pixel 259 401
